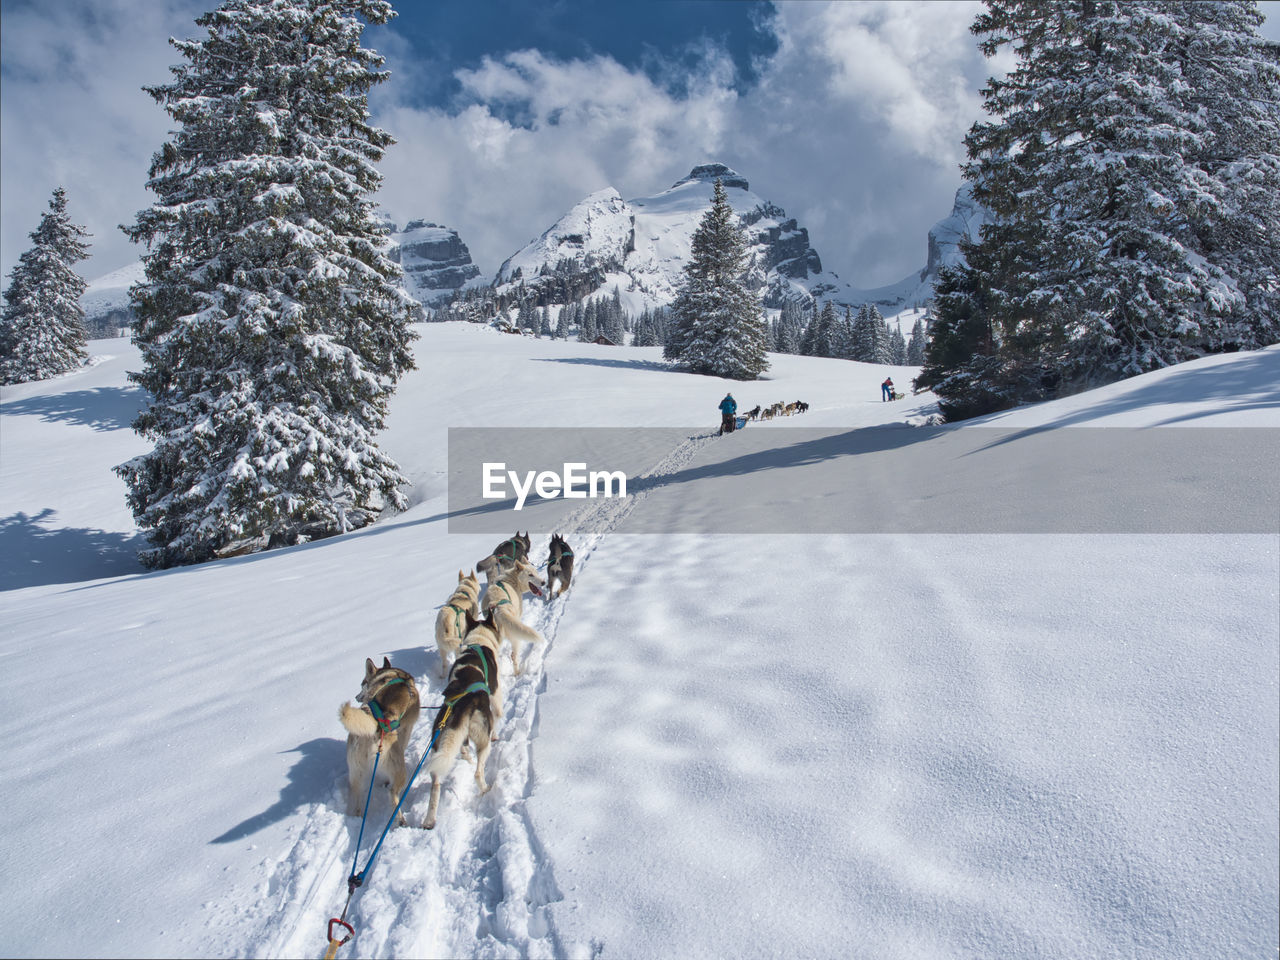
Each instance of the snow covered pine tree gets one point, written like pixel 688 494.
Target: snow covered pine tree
pixel 42 327
pixel 716 323
pixel 271 325
pixel 1132 172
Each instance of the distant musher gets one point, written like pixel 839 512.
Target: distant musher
pixel 886 389
pixel 728 414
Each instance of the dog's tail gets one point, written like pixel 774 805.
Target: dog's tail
pixel 358 720
pixel 511 623
pixel 448 746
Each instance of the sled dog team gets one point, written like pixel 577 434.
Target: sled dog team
pixel 777 410
pixel 470 629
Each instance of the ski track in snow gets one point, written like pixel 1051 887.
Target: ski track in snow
pixel 480 882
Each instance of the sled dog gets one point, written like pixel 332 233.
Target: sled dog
pixel 456 618
pixel 472 705
pixel 388 711
pixel 754 412
pixel 504 556
pixel 801 407
pixel 559 567
pixel 504 601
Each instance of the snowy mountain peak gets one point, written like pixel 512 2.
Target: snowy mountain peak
pixel 598 230
pixel 711 172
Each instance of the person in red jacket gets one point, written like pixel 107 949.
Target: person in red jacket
pixel 886 389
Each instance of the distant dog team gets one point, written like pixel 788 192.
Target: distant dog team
pixel 779 409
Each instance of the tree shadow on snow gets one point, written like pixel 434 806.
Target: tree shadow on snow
pixel 102 408
pixel 34 554
pixel 310 781
pixel 612 364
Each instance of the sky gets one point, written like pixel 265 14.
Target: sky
pixel 848 115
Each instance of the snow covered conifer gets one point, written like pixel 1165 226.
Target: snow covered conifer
pixel 588 329
pixel 1234 74
pixel 717 325
pixel 42 327
pixel 898 346
pixel 271 323
pixel 1127 228
pixel 915 344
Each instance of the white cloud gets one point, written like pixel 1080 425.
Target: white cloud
pixel 73 113
pixel 854 127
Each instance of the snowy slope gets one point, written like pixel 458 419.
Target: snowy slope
pixel 869 746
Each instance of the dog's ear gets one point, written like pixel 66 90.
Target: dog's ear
pixel 460 576
pixel 369 668
pixel 386 663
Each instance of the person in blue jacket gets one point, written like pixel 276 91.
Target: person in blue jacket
pixel 728 413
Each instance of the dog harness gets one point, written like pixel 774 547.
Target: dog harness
pixel 505 589
pixel 480 686
pixel 458 620
pixel 379 715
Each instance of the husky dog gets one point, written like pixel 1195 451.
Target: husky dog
pixel 472 705
pixel 504 556
pixel 801 407
pixel 504 601
pixel 385 721
pixel 456 617
pixel 754 412
pixel 559 566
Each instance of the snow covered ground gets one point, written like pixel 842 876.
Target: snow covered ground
pixel 824 745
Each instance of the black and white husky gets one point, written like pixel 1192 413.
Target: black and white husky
pixel 472 706
pixel 505 555
pixel 559 567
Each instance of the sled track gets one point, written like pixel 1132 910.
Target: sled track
pixel 478 885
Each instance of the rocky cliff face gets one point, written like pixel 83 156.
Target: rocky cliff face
pixel 435 261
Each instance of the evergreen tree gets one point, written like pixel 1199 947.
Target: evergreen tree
pixel 825 334
pixel 616 329
pixel 660 324
pixel 720 328
pixel 790 328
pixel 42 327
pixel 863 339
pixel 646 334
pixel 587 331
pixel 898 346
pixel 961 362
pixel 842 335
pixel 544 323
pixel 272 325
pixel 915 346
pixel 1235 75
pixel 1133 199
pixel 883 351
pixel 809 336
pixel 527 315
